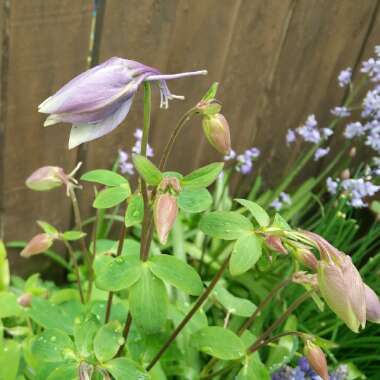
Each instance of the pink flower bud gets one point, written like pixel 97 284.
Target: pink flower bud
pixel 217 131
pixel 275 244
pixel 307 258
pixel 46 178
pixel 343 290
pixel 165 213
pixel 25 300
pixel 39 244
pixel 316 359
pixel 372 305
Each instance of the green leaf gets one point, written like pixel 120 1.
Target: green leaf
pixel 117 273
pixel 253 369
pixel 257 212
pixel 148 302
pixel 147 170
pixel 104 177
pixel 211 92
pixel 53 346
pixel 84 332
pixel 4 268
pixel 202 177
pixel 50 316
pixel 123 368
pixel 177 273
pixel 112 196
pixel 218 342
pixel 67 371
pixel 9 306
pixel 108 340
pixel 246 252
pixel 9 359
pixel 225 225
pixel 48 228
pixel 280 222
pixel 73 235
pixel 194 200
pixel 234 305
pixel 135 210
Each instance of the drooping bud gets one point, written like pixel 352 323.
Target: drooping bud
pixel 316 359
pixel 306 258
pixel 340 283
pixel 345 174
pixel 275 244
pixel 165 214
pixel 343 290
pixel 25 300
pixel 217 132
pixel 39 244
pixel 372 305
pixel 46 178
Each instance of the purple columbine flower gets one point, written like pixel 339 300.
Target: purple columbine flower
pixel 98 100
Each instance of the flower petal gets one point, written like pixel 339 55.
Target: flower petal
pixel 81 133
pixel 97 87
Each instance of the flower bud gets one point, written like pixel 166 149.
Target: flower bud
pixel 25 300
pixel 46 178
pixel 165 213
pixel 352 152
pixel 275 244
pixel 372 305
pixel 39 244
pixel 316 359
pixel 306 258
pixel 343 290
pixel 345 174
pixel 217 132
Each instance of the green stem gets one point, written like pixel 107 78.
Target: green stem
pixel 86 253
pixel 169 146
pixel 118 253
pixel 202 298
pixel 76 269
pixel 144 249
pixel 279 321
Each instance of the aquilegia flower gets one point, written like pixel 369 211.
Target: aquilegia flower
pixel 98 100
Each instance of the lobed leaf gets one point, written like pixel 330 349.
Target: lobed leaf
pixel 112 196
pixel 225 225
pixel 177 273
pixel 257 211
pixel 247 251
pixel 104 177
pixel 202 177
pixel 135 210
pixel 107 341
pixel 194 201
pixel 147 170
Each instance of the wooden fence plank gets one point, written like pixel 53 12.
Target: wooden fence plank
pixel 48 45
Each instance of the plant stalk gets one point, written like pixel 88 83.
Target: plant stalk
pixel 202 298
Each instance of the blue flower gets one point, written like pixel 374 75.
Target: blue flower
pixel 344 77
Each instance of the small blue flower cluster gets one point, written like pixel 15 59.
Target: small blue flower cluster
pixel 244 162
pixel 282 200
pixel 310 132
pixel 303 371
pixel 125 166
pixel 356 190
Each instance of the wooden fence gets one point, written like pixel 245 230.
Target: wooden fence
pixel 276 61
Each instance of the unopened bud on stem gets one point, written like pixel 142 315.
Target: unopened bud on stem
pixel 217 132
pixel 165 213
pixel 275 244
pixel 316 359
pixel 46 178
pixel 39 244
pixel 372 305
